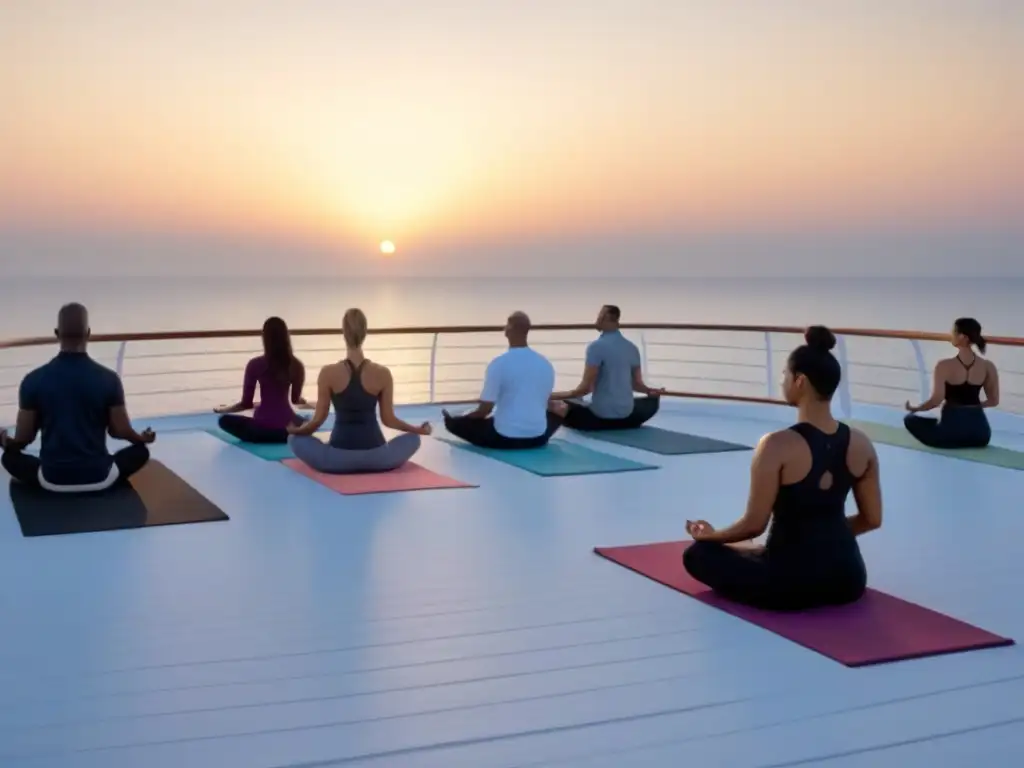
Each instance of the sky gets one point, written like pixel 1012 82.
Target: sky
pixel 606 137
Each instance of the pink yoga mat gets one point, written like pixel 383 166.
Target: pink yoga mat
pixel 876 629
pixel 408 477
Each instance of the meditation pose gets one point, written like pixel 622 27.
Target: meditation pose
pixel 75 402
pixel 355 387
pixel 517 388
pixel 276 371
pixel 611 375
pixel 956 385
pixel 800 478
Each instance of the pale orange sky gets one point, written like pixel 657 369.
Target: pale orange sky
pixel 464 132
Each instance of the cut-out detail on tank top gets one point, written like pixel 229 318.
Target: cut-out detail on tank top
pixel 825 483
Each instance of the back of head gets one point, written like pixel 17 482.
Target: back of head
pixel 517 328
pixel 610 315
pixel 277 347
pixel 971 329
pixel 73 324
pixel 354 327
pixel 816 363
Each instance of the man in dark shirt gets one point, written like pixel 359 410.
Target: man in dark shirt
pixel 74 401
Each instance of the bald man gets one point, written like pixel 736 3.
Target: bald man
pixel 517 389
pixel 74 401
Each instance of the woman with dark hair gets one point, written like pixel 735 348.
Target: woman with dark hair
pixel 276 371
pixel 355 387
pixel 800 478
pixel 957 383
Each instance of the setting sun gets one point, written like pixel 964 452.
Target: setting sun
pixel 387 247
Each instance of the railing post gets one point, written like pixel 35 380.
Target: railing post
pixel 922 371
pixel 643 355
pixel 433 366
pixel 768 366
pixel 845 404
pixel 119 366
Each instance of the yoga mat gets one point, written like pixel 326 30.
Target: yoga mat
pixel 901 438
pixel 876 629
pixel 556 459
pixel 268 451
pixel 408 477
pixel 664 441
pixel 152 496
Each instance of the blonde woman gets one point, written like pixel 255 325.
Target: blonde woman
pixel 355 386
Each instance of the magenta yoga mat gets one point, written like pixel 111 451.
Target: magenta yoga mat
pixel 876 629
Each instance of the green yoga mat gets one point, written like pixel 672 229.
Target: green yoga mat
pixel 556 459
pixel 268 451
pixel 899 437
pixel 664 441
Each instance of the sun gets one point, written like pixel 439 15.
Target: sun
pixel 387 247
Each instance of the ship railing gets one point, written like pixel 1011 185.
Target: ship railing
pixel 175 372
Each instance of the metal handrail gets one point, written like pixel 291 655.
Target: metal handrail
pixel 433 333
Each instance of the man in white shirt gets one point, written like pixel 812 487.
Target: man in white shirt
pixel 517 388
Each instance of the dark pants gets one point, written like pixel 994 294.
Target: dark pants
pixel 481 432
pixel 745 576
pixel 582 418
pixel 248 430
pixel 24 467
pixel 960 427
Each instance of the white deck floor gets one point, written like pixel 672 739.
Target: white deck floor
pixel 475 628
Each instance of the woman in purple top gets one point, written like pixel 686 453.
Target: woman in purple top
pixel 276 371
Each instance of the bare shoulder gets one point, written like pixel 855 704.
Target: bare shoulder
pixel 861 450
pixel 779 442
pixel 990 367
pixel 378 369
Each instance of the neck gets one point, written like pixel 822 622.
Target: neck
pixel 816 412
pixel 354 353
pixel 966 348
pixel 76 347
pixel 516 343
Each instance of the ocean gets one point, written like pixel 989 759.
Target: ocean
pixel 188 376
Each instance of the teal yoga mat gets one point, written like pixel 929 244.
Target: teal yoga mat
pixel 664 441
pixel 556 459
pixel 268 451
pixel 899 437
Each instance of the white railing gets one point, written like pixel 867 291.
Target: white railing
pixel 187 372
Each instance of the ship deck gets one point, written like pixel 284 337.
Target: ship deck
pixel 476 627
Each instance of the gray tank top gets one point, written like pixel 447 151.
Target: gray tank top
pixel 355 415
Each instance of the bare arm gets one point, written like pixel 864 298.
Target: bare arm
pixel 387 409
pixel 867 492
pixel 640 386
pixel 120 426
pixel 585 387
pixel 490 392
pixel 991 387
pixel 323 405
pixel 937 396
pixel 765 470
pixel 25 431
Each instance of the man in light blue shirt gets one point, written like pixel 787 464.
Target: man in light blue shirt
pixel 612 373
pixel 517 388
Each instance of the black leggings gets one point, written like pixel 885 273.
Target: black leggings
pixel 745 576
pixel 24 467
pixel 248 430
pixel 481 432
pixel 959 427
pixel 582 418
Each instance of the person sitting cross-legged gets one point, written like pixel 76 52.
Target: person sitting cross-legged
pixel 515 409
pixel 612 373
pixel 74 402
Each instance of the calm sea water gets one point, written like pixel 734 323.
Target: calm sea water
pixel 163 377
pixel 123 305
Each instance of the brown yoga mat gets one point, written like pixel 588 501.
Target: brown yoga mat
pixel 152 496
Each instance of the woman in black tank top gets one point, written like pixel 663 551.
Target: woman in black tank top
pixel 957 387
pixel 811 557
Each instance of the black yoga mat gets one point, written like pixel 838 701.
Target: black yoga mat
pixel 152 496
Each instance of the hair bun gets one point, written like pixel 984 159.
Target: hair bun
pixel 820 337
